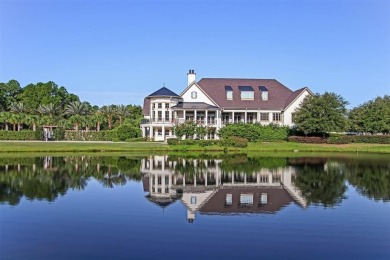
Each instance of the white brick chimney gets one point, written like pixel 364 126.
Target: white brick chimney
pixel 191 76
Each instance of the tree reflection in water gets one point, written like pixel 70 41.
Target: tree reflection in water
pixel 321 180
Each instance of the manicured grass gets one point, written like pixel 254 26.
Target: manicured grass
pixel 155 147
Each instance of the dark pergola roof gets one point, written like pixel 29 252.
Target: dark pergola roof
pixel 194 105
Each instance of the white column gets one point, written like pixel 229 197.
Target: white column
pixel 206 119
pixel 184 115
pixel 233 116
pixel 232 178
pixel 258 178
pixel 244 178
pixel 245 119
pixel 155 183
pixel 184 180
pixel 270 117
pixel 205 180
pixel 195 112
pixel 151 134
pixel 258 116
pixel 163 132
pixel 150 184
pixel 195 180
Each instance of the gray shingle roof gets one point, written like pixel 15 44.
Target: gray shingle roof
pixel 164 92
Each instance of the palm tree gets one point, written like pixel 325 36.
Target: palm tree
pixel 18 108
pixel 122 112
pixel 5 118
pixel 32 120
pixel 48 110
pixel 76 110
pixel 109 112
pixel 97 118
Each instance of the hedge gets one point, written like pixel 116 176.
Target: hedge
pixel 108 135
pixel 255 132
pixel 234 141
pixel 307 139
pixel 125 132
pixel 17 135
pixel 371 139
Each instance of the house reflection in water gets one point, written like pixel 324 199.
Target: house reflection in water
pixel 201 185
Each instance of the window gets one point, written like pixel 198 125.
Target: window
pixel 293 117
pixel 166 132
pixel 246 199
pixel 159 115
pixel 264 93
pixel 159 132
pixel 264 116
pixel 154 105
pixel 247 95
pixel 166 105
pixel 159 105
pixel 229 199
pixel 229 95
pixel 193 199
pixel 264 198
pixel 194 95
pixel 166 115
pixel 159 180
pixel 276 117
pixel 229 92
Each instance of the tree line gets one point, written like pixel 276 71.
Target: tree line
pixel 326 113
pixel 47 104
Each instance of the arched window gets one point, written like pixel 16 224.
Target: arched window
pixel 194 94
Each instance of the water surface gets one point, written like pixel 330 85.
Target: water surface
pixel 208 207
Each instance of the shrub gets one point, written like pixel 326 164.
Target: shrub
pixel 139 139
pixel 59 133
pixel 307 139
pixel 172 141
pixel 255 132
pixel 204 143
pixel 126 132
pixel 188 142
pixel 372 139
pixel 107 135
pixel 17 135
pixel 234 141
pixel 39 133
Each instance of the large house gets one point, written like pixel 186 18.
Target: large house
pixel 215 102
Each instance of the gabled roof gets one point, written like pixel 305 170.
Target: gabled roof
pixel 294 95
pixel 164 92
pixel 216 89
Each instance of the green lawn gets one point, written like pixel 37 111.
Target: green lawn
pixel 108 147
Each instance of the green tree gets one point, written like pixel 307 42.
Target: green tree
pixel 34 95
pixel 373 116
pixel 322 114
pixel 8 94
pixel 201 131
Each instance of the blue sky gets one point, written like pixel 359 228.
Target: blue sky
pixel 118 52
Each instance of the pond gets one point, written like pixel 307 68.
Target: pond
pixel 195 207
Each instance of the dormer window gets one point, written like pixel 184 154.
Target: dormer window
pixel 194 95
pixel 229 92
pixel 247 93
pixel 264 93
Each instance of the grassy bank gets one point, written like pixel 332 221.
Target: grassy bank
pixel 155 147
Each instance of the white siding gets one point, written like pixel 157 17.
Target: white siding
pixel 200 97
pixel 287 113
